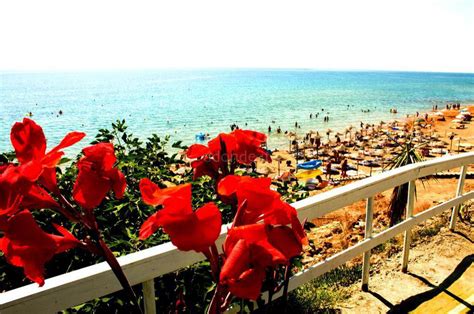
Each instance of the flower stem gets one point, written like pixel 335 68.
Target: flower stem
pixel 215 306
pixel 118 271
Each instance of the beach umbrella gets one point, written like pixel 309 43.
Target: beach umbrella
pixel 451 137
pixel 328 132
pixel 279 159
pixel 341 148
pixel 371 164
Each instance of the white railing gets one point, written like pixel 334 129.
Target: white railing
pixel 142 267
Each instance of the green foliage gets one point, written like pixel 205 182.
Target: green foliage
pixel 407 155
pixel 120 221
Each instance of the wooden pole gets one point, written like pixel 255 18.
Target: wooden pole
pixel 407 237
pixel 369 216
pixel 149 296
pixel 455 211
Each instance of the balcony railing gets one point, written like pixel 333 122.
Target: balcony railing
pixel 79 286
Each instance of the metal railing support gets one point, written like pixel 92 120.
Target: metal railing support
pixel 455 212
pixel 407 236
pixel 369 216
pixel 149 296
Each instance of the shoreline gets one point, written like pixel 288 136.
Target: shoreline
pixel 375 148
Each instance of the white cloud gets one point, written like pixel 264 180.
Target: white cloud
pixel 393 35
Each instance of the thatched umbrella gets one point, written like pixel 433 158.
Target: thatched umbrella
pixel 328 132
pixel 279 159
pixel 451 137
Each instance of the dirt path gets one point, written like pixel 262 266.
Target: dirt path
pixel 440 277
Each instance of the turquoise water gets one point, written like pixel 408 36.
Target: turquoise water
pixel 185 102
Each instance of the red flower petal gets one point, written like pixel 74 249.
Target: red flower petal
pixel 97 176
pixel 26 245
pixel 119 183
pixel 249 146
pixel 15 184
pixel 90 188
pixel 216 146
pixel 48 179
pixel 240 274
pixel 67 241
pixel 188 230
pixel 149 226
pixel 28 141
pixel 54 156
pixel 248 285
pixel 285 241
pixel 101 154
pixel 197 151
pixel 232 183
pixel 195 231
pixel 205 167
pixel 153 195
pixel 38 198
pixel 31 170
pixel 69 140
pixel 237 261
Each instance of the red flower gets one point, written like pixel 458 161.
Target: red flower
pixel 26 245
pixel 259 202
pixel 188 230
pixel 260 237
pixel 29 143
pixel 240 274
pixel 250 250
pixel 97 176
pixel 243 146
pixel 249 146
pixel 18 190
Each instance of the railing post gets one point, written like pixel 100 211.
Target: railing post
pixel 149 296
pixel 369 216
pixel 409 213
pixel 455 211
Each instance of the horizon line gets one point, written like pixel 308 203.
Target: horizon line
pixel 217 68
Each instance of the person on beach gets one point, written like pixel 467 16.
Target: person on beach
pixel 328 169
pixel 269 129
pixel 321 183
pixel 344 168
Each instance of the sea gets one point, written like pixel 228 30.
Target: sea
pixel 183 103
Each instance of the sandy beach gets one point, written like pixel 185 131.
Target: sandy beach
pixel 369 149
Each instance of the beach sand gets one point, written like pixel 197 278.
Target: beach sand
pixel 463 140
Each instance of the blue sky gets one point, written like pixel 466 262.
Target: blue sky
pixel 375 35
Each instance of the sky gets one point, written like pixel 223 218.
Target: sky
pixel 414 35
